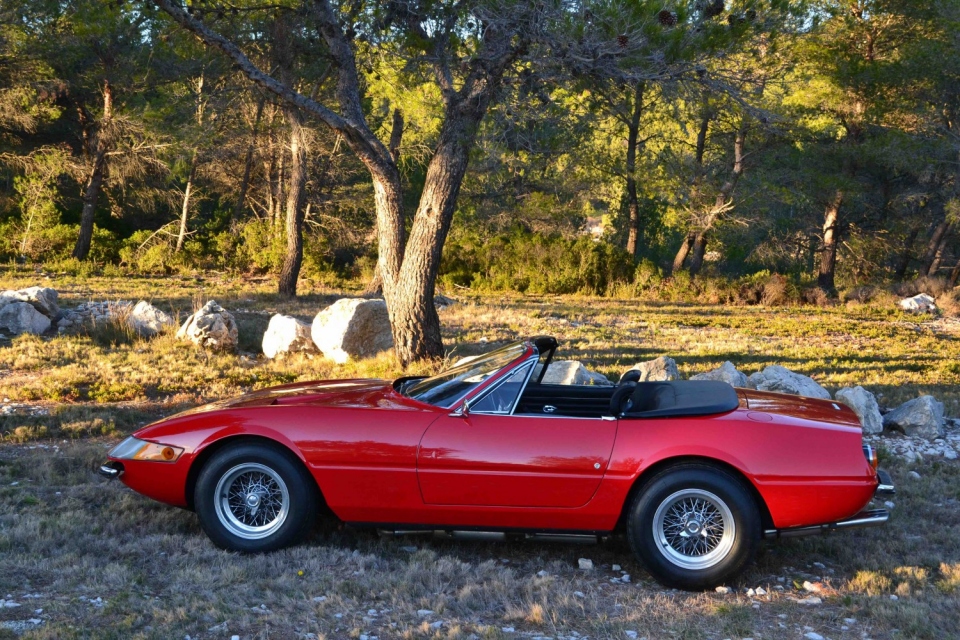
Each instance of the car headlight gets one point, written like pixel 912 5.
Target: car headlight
pixel 136 449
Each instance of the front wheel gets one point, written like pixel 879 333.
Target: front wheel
pixel 254 498
pixel 694 526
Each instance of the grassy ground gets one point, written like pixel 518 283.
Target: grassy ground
pixel 68 538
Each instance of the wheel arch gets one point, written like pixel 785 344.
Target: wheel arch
pixel 766 519
pixel 207 452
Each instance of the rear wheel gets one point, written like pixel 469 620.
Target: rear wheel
pixel 694 526
pixel 254 498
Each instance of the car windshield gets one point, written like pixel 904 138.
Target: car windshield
pixel 446 389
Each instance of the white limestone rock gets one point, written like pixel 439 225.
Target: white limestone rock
pixel 724 373
pixel 921 417
pixel 286 334
pixel 43 299
pixel 147 320
pixel 782 380
pixel 573 372
pixel 864 404
pixel 211 327
pixel 352 328
pixel 657 370
pixel 22 317
pixel 920 303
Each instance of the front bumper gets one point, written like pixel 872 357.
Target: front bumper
pixel 111 469
pixel 866 518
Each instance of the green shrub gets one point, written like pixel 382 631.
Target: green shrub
pixel 535 263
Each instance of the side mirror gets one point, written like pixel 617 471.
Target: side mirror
pixel 463 411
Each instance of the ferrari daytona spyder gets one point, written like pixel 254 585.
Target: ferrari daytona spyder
pixel 693 473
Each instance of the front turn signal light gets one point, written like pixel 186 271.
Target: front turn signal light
pixel 136 449
pixel 158 453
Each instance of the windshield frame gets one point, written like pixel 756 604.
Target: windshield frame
pixel 529 351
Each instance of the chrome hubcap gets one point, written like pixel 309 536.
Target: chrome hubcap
pixel 252 501
pixel 695 529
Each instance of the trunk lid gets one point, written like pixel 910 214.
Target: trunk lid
pixel 799 407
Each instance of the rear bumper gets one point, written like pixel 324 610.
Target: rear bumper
pixel 866 518
pixel 885 488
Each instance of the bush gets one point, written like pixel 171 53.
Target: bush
pixel 862 294
pixel 534 263
pixel 149 252
pixel 815 296
pixel 932 285
pixel 949 303
pixel 777 291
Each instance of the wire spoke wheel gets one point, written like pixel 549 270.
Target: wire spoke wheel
pixel 252 501
pixel 694 529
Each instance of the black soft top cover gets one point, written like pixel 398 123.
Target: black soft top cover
pixel 682 398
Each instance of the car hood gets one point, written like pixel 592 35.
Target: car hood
pixel 800 407
pixel 343 393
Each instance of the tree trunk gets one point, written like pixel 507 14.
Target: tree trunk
pixel 185 209
pixel 938 253
pixel 296 196
pixel 699 250
pixel 416 325
pixel 95 182
pixel 955 274
pixel 375 286
pixel 633 205
pixel 683 252
pixel 828 254
pixel 932 245
pixel 901 271
pixel 248 163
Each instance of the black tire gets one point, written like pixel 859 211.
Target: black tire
pixel 285 498
pixel 694 526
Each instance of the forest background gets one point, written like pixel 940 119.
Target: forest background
pixel 724 152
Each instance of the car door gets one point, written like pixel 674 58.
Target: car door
pixel 506 460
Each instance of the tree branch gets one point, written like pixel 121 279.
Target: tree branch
pixel 353 127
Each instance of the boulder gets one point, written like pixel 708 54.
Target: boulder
pixel 724 373
pixel 352 328
pixel 657 370
pixel 573 372
pixel 147 320
pixel 864 404
pixel 782 380
pixel 43 299
pixel 286 334
pixel 920 303
pixel 921 417
pixel 442 302
pixel 211 327
pixel 22 317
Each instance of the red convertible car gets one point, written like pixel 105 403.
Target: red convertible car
pixel 693 473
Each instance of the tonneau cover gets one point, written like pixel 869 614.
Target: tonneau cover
pixel 680 398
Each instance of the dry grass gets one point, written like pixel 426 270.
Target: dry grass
pixel 67 537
